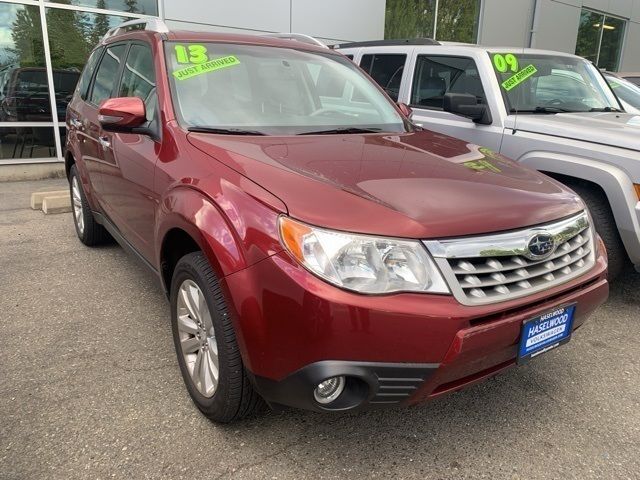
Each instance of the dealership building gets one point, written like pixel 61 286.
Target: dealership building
pixel 45 43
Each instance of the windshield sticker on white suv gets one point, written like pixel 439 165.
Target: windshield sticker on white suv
pixel 211 66
pixel 519 77
pixel 505 62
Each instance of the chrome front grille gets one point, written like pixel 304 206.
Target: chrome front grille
pixel 500 267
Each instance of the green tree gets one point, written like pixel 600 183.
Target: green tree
pixel 67 38
pixel 132 6
pixel 409 18
pixel 100 25
pixel 458 20
pixel 26 33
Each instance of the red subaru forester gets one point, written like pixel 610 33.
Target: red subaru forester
pixel 318 249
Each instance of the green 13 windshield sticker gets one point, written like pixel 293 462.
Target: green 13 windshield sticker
pixel 519 77
pixel 211 66
pixel 194 53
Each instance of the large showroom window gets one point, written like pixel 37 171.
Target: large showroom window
pixel 447 20
pixel 600 39
pixel 43 48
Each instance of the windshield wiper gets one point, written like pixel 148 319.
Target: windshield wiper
pixel 542 110
pixel 606 109
pixel 336 131
pixel 225 131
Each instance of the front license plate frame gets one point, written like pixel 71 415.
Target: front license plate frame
pixel 545 332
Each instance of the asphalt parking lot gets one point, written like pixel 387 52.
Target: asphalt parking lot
pixel 90 388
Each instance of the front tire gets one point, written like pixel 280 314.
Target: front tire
pixel 606 227
pixel 89 231
pixel 205 343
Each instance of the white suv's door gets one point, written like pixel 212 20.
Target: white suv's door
pixel 433 75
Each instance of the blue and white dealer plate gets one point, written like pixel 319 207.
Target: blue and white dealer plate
pixel 546 332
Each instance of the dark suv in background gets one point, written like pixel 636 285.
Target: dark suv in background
pixel 318 249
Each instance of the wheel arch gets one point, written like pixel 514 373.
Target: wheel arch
pixel 611 180
pixel 189 221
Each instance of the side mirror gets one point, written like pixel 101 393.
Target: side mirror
pixel 123 114
pixel 405 109
pixel 466 105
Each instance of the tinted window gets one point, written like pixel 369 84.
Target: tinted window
pixel 107 73
pixel 139 77
pixel 435 76
pixel 635 80
pixel 87 73
pixel 386 70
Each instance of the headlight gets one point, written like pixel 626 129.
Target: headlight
pixel 362 263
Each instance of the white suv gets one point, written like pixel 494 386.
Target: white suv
pixel 551 111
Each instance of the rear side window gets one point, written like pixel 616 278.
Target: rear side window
pixel 107 73
pixel 139 77
pixel 635 80
pixel 87 73
pixel 386 70
pixel 436 75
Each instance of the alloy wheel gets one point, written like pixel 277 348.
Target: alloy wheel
pixel 78 214
pixel 197 338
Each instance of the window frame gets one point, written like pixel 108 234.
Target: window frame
pixel 440 55
pixel 116 83
pixel 605 16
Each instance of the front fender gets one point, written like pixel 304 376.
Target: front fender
pixel 616 184
pixel 234 231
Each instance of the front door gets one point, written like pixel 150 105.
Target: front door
pixel 130 159
pixel 435 75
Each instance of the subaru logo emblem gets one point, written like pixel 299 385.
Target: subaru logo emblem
pixel 541 246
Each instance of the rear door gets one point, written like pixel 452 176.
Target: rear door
pixel 130 159
pixel 387 66
pixel 435 75
pixel 77 111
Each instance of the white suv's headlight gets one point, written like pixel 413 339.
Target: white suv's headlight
pixel 362 263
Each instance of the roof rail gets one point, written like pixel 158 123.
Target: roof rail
pixel 150 24
pixel 381 43
pixel 300 37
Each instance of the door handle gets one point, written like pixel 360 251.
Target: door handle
pixel 104 141
pixel 75 123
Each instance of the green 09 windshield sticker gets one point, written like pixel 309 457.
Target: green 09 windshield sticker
pixel 519 77
pixel 504 62
pixel 211 66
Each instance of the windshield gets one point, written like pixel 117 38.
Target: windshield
pixel 626 91
pixel 274 91
pixel 533 83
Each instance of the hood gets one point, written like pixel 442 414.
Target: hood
pixel 606 128
pixel 414 185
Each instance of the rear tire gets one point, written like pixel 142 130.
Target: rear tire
pixel 89 231
pixel 203 332
pixel 606 227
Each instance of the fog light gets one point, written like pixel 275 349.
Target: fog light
pixel 328 390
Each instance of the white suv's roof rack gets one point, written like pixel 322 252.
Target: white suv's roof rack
pixel 300 37
pixel 151 24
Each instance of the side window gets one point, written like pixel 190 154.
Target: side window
pixel 434 76
pixel 386 70
pixel 107 73
pixel 139 78
pixel 87 73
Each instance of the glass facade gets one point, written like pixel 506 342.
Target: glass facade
pixel 73 28
pixel 447 20
pixel 600 38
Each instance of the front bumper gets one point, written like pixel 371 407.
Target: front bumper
pixel 294 331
